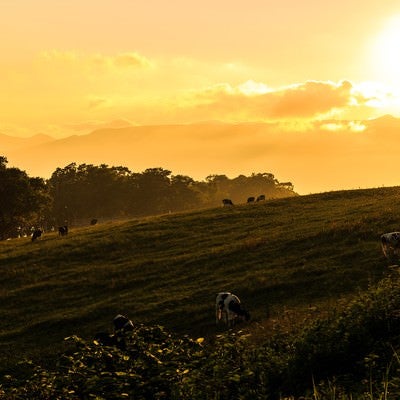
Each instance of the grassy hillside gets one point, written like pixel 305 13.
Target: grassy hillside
pixel 281 255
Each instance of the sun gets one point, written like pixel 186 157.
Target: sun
pixel 386 53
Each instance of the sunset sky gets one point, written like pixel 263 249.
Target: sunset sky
pixel 70 66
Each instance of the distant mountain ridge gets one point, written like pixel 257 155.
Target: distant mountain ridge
pixel 11 143
pixel 316 160
pixel 138 147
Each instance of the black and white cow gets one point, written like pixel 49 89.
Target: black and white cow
pixel 391 245
pixel 227 202
pixel 229 309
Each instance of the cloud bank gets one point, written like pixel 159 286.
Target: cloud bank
pixel 61 88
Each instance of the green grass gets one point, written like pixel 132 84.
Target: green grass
pixel 281 255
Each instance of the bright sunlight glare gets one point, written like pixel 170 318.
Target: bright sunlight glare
pixel 386 53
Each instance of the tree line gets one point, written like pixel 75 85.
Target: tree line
pixel 77 194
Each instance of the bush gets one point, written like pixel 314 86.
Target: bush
pixel 343 345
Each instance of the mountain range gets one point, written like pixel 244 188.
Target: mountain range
pixel 327 156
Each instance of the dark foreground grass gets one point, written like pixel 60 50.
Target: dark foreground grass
pixel 286 254
pixel 351 354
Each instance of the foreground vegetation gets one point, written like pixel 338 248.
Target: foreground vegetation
pixel 324 308
pixel 359 346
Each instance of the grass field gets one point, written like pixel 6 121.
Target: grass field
pixel 279 257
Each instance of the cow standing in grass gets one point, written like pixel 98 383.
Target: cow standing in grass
pixel 229 309
pixel 63 230
pixel 391 245
pixel 227 202
pixel 37 233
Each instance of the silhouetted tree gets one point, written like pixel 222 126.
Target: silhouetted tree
pixel 154 187
pixel 219 187
pixel 184 197
pixel 23 200
pixel 86 191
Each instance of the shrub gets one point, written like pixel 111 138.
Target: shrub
pixel 343 344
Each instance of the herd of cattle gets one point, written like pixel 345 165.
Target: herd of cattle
pixel 37 233
pixel 261 197
pixel 228 307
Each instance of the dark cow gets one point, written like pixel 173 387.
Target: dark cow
pixel 93 221
pixel 227 202
pixel 261 197
pixel 63 230
pixel 391 245
pixel 229 309
pixel 37 233
pixel 251 199
pixel 122 325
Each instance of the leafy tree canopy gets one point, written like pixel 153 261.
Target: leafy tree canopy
pixel 77 194
pixel 23 200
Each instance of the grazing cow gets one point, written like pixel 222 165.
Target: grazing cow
pixel 36 234
pixel 251 199
pixel 63 230
pixel 229 309
pixel 122 325
pixel 93 221
pixel 261 197
pixel 227 202
pixel 391 245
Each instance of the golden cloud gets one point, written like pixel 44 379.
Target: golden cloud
pixel 310 99
pixel 255 100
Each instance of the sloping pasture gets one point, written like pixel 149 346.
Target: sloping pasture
pixel 279 255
